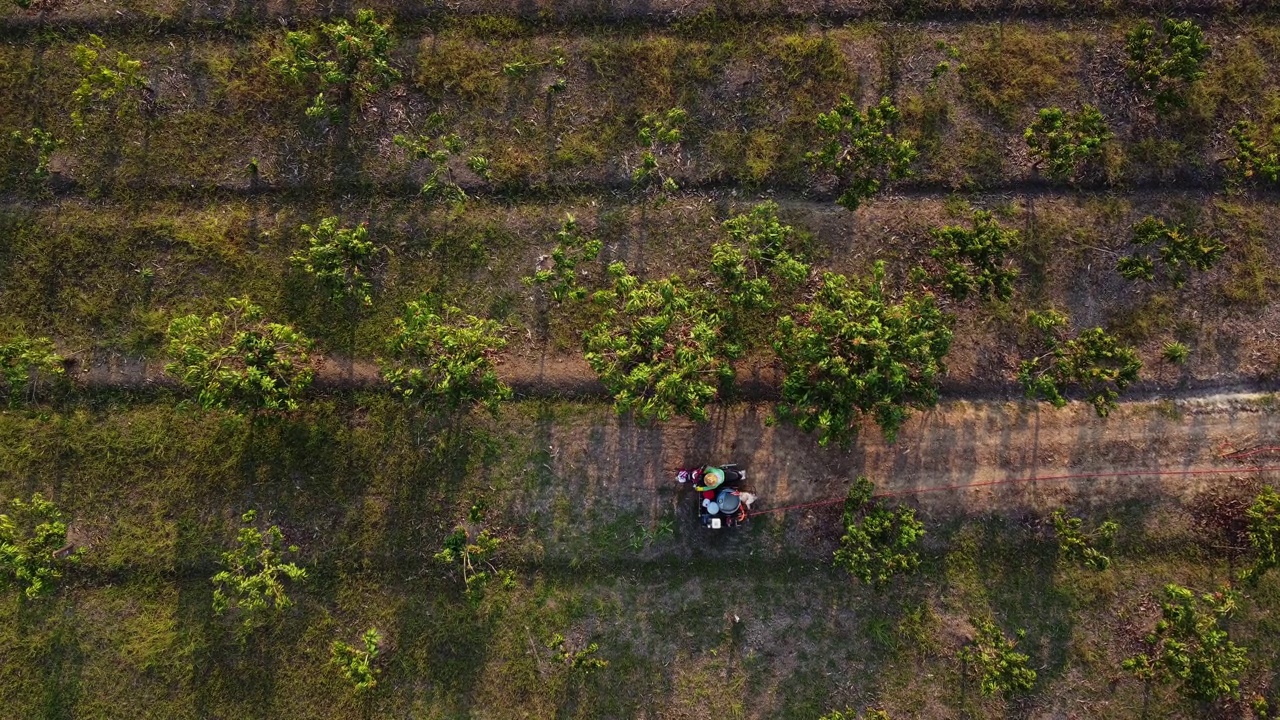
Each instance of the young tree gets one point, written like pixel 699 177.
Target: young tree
pixel 356 663
pixel 26 365
pixel 850 714
pixel 572 249
pixel 338 259
pixel 659 136
pixel 583 660
pixel 239 361
pixel 660 346
pixel 1175 247
pixel 1254 158
pixel 38 145
pixel 991 656
pixel 974 260
pixel 104 84
pixel 860 150
pixel 348 61
pixel 1189 645
pixel 1062 143
pixel 32 536
pixel 438 147
pixel 442 357
pixel 474 559
pixel 757 258
pixel 1093 361
pixel 1078 546
pixel 851 351
pixel 879 542
pixel 251 582
pixel 1264 533
pixel 1164 64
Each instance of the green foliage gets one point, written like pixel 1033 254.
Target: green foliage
pixel 356 663
pixel 1078 546
pixel 659 347
pixel 878 542
pixel 25 363
pixel 1190 647
pixel 973 260
pixel 852 351
pixel 349 61
pixel 659 135
pixel 440 356
pixel 1062 143
pixel 1176 353
pixel 1093 361
pixel 32 536
pixel 583 660
pixel 239 361
pixel 860 150
pixel 251 581
pixel 473 558
pixel 1163 65
pixel 572 249
pixel 1264 533
pixel 849 714
pixel 1176 247
pixel 441 183
pixel 1253 158
pixel 757 258
pixel 42 145
pixel 101 82
pixel 338 259
pixel 992 657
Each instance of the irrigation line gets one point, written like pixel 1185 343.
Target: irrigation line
pixel 1038 478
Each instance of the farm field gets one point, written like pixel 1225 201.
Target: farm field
pixel 444 296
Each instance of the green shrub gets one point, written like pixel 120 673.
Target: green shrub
pixel 1094 361
pixel 1189 646
pixel 849 714
pixel 659 135
pixel 992 658
pixel 1163 65
pixel 572 249
pixel 974 260
pixel 583 660
pixel 27 364
pixel 104 85
pixel 1176 353
pixel 251 581
pixel 1176 247
pixel 860 150
pixel 39 145
pixel 356 663
pixel 758 257
pixel 440 182
pixel 878 542
pixel 338 259
pixel 1078 546
pixel 239 361
pixel 473 558
pixel 32 538
pixel 349 61
pixel 1264 533
pixel 1063 144
pixel 1253 158
pixel 852 351
pixel 442 357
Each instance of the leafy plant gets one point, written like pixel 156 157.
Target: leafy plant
pixel 1190 647
pixel 973 260
pixel 572 249
pixel 1093 361
pixel 101 81
pixel 583 660
pixel 878 542
pixel 1164 64
pixel 1076 545
pixel 441 182
pixel 850 714
pixel 1264 533
pixel 1176 247
pixel 1176 353
pixel 238 360
pixel 32 538
pixel 659 346
pixel 1063 143
pixel 356 663
pixel 25 364
pixel 473 558
pixel 992 657
pixel 659 135
pixel 1253 158
pixel 348 61
pixel 757 258
pixel 442 356
pixel 852 351
pixel 338 259
pixel 860 150
pixel 251 582
pixel 42 144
